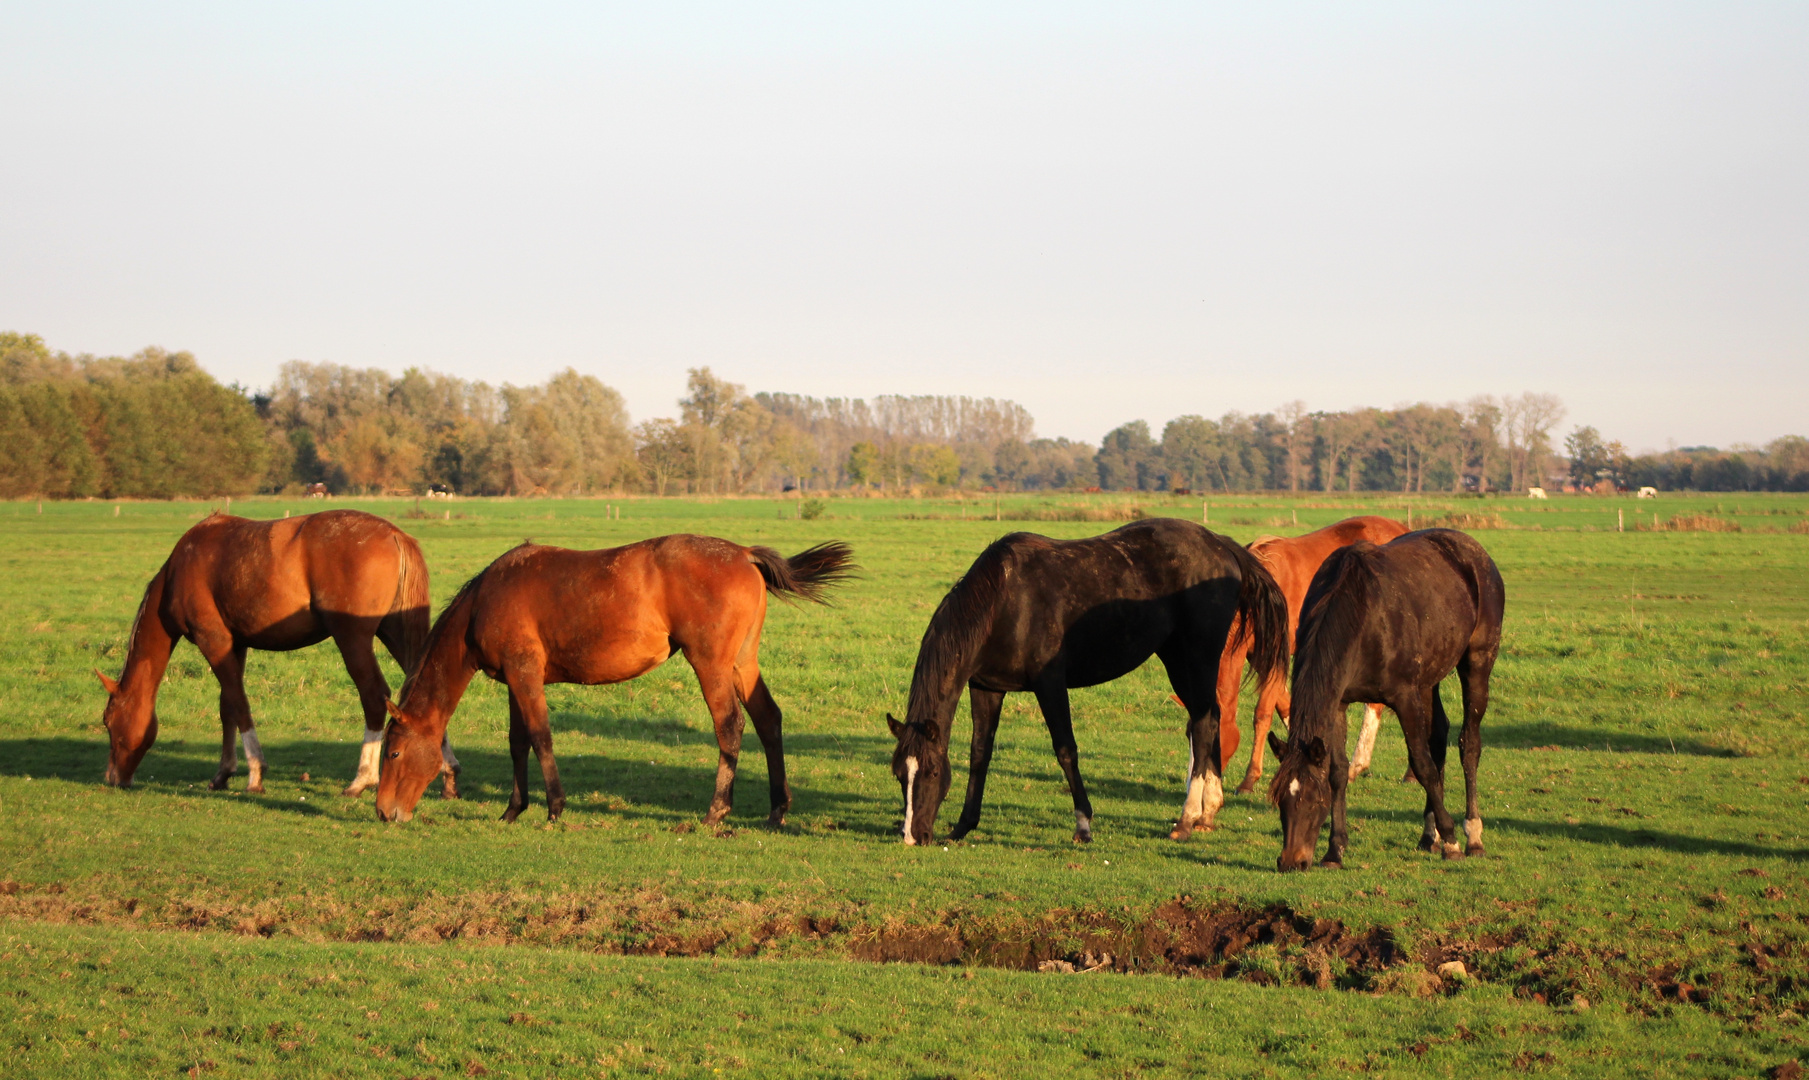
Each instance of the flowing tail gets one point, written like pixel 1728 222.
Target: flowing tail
pixel 411 604
pixel 1262 617
pixel 810 573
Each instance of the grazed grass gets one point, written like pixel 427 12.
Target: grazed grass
pixel 1641 788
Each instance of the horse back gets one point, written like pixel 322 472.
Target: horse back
pixel 609 615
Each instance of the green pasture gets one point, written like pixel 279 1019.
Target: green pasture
pixel 1641 907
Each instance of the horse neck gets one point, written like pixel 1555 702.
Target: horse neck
pixel 433 691
pixel 148 651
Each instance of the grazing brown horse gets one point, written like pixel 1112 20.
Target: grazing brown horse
pixel 541 615
pixel 1292 562
pixel 231 585
pixel 1387 624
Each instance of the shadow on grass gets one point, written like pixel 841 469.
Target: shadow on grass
pixel 1606 835
pixel 1534 736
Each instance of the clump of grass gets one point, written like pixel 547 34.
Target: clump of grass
pixel 1461 519
pixel 1800 526
pixel 1699 523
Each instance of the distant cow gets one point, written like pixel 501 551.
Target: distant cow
pixel 1648 493
pixel 439 491
pixel 1535 493
pixel 317 491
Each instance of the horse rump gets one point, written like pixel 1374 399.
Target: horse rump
pixel 810 573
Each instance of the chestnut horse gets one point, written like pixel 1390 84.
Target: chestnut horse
pixel 1292 562
pixel 231 585
pixel 541 615
pixel 1387 624
pixel 1045 615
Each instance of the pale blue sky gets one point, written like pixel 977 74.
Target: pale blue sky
pixel 1106 212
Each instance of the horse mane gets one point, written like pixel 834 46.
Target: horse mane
pixel 962 621
pixel 1337 604
pixel 455 606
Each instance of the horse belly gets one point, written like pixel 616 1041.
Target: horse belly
pixel 612 662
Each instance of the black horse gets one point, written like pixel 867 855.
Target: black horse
pixel 1387 624
pixel 1044 615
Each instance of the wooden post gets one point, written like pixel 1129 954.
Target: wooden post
pixel 115 509
pixel 1205 511
pixel 1296 514
pixel 1620 521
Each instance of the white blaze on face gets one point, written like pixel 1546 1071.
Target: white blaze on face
pixel 910 798
pixel 1294 786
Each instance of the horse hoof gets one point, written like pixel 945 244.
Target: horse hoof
pixel 1332 864
pixel 1452 851
pixel 254 789
pixel 450 791
pixel 351 791
pixel 1474 850
pixel 1247 787
pixel 1427 843
pixel 1180 832
pixel 511 814
pixel 218 783
pixel 1083 838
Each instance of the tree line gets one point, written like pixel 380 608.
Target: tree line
pixel 155 425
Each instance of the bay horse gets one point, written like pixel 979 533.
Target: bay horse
pixel 1388 623
pixel 540 615
pixel 232 584
pixel 1292 562
pixel 1041 615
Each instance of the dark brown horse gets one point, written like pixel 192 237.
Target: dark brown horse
pixel 1387 624
pixel 1045 615
pixel 1292 562
pixel 541 615
pixel 231 585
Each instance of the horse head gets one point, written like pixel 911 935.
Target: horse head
pixel 409 761
pixel 1302 791
pixel 921 764
pixel 131 729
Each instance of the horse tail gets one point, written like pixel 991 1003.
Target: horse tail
pixel 810 573
pixel 1262 617
pixel 412 603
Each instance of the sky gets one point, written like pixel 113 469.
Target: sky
pixel 1105 212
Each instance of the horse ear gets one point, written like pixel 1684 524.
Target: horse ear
pixel 111 686
pixel 898 729
pixel 1277 747
pixel 394 709
pixel 1315 751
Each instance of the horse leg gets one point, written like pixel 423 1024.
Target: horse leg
pixel 1205 781
pixel 1230 676
pixel 1054 702
pixel 985 705
pixel 235 718
pixel 354 639
pixel 526 688
pixel 1339 778
pixel 1429 768
pixel 519 741
pixel 725 713
pixel 1475 682
pixel 1366 740
pixel 764 711
pixel 1270 697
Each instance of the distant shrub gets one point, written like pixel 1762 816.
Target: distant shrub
pixel 1700 523
pixel 1466 520
pixel 811 509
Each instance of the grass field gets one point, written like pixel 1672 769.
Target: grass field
pixel 1641 909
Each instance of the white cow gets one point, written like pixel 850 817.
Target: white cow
pixel 1535 493
pixel 1648 493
